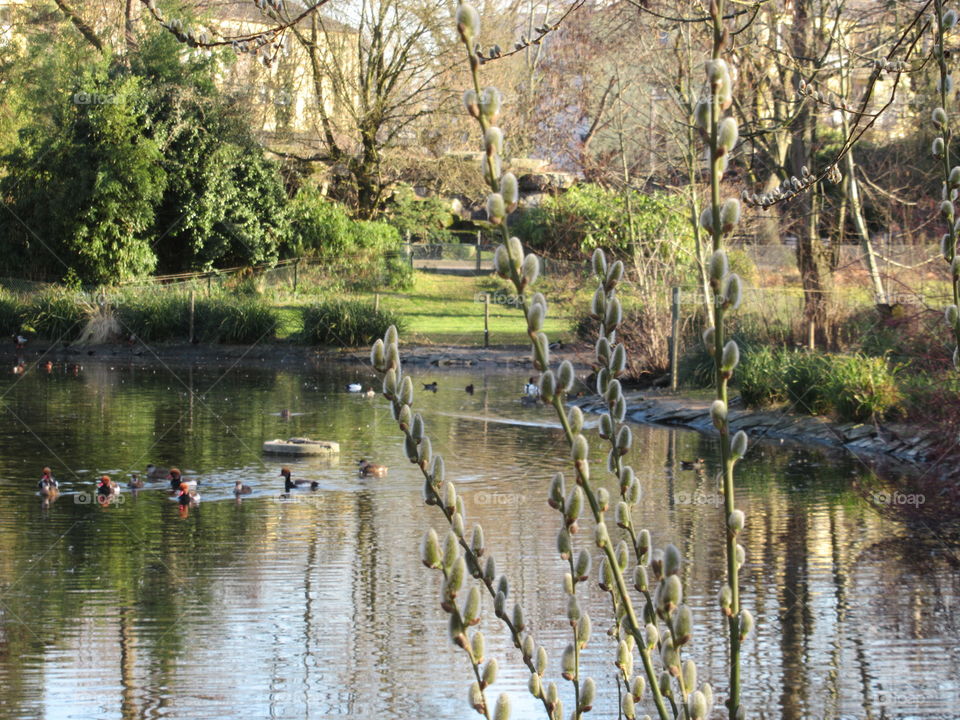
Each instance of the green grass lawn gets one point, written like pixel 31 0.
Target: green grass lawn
pixel 448 310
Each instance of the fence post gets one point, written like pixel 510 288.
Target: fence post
pixel 209 284
pixel 296 274
pixel 376 301
pixel 812 334
pixel 193 298
pixel 486 320
pixel 478 252
pixel 674 338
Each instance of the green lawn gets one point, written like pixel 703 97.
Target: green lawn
pixel 448 310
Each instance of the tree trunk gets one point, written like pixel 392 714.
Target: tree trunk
pixel 856 210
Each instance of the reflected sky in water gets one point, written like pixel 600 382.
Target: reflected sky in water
pixel 317 605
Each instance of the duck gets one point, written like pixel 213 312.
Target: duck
pixel 186 495
pixel 19 340
pixel 528 400
pixel 48 486
pixel 47 367
pixel 355 387
pixel 368 469
pixel 74 369
pixel 19 368
pixel 691 464
pixel 136 482
pixel 531 389
pixel 157 473
pixel 370 393
pixel 176 480
pixel 469 389
pixel 241 489
pixel 289 484
pixel 107 488
pixel 430 387
pixel 285 414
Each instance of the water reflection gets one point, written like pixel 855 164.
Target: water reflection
pixel 316 604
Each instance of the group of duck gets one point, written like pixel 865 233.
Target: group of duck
pixel 530 395
pixel 184 490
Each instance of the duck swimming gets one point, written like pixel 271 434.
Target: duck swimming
pixel 241 489
pixel 157 473
pixel 136 482
pixel 531 389
pixel 187 496
pixel 107 488
pixel 289 484
pixel 369 469
pixel 48 486
pixel 176 480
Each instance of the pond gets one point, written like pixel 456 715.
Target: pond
pixel 318 606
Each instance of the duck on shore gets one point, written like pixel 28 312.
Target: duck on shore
pixel 354 387
pixel 430 387
pixel 369 469
pixel 692 464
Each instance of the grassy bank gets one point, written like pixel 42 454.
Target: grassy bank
pixel 438 309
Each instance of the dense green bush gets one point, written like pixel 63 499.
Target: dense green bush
pixel 588 216
pixel 425 219
pixel 365 254
pixel 346 323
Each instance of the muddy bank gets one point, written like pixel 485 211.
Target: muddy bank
pixel 287 354
pixel 901 444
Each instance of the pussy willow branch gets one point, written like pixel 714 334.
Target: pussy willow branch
pixel 946 136
pixel 716 172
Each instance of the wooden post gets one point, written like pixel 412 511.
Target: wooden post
pixel 209 284
pixel 812 335
pixel 478 252
pixel 675 339
pixel 296 274
pixel 486 320
pixel 193 298
pixel 376 302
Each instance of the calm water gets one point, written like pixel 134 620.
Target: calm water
pixel 320 608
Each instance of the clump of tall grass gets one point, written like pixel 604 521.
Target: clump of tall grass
pixel 156 317
pixel 57 314
pixel 239 320
pixel 345 323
